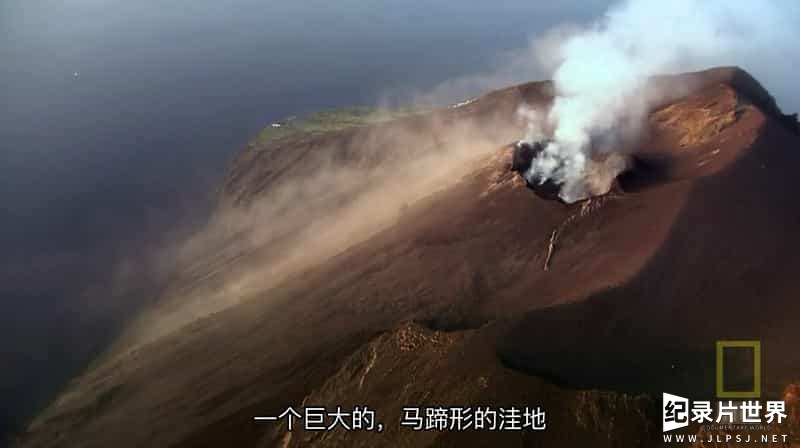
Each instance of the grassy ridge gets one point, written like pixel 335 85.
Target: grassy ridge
pixel 331 120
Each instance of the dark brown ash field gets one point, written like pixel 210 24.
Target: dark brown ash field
pixel 418 278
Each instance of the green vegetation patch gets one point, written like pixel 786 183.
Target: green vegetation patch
pixel 332 120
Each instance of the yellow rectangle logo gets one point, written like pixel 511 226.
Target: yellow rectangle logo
pixel 755 392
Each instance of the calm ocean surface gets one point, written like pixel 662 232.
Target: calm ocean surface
pixel 117 117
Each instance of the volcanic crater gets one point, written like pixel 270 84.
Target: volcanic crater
pixel 479 292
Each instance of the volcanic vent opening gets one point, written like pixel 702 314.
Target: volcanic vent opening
pixel 598 174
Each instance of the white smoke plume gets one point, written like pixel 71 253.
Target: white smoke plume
pixel 602 71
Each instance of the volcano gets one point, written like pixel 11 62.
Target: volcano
pixel 600 176
pixel 472 291
pixel 521 160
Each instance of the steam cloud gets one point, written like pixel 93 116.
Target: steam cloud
pixel 601 74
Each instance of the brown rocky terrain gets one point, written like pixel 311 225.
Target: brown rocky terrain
pixel 445 299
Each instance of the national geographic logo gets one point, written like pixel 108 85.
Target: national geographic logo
pixel 745 386
pixel 738 405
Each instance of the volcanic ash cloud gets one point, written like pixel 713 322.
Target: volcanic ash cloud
pixel 602 72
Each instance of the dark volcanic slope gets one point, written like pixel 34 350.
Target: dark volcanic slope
pixel 700 246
